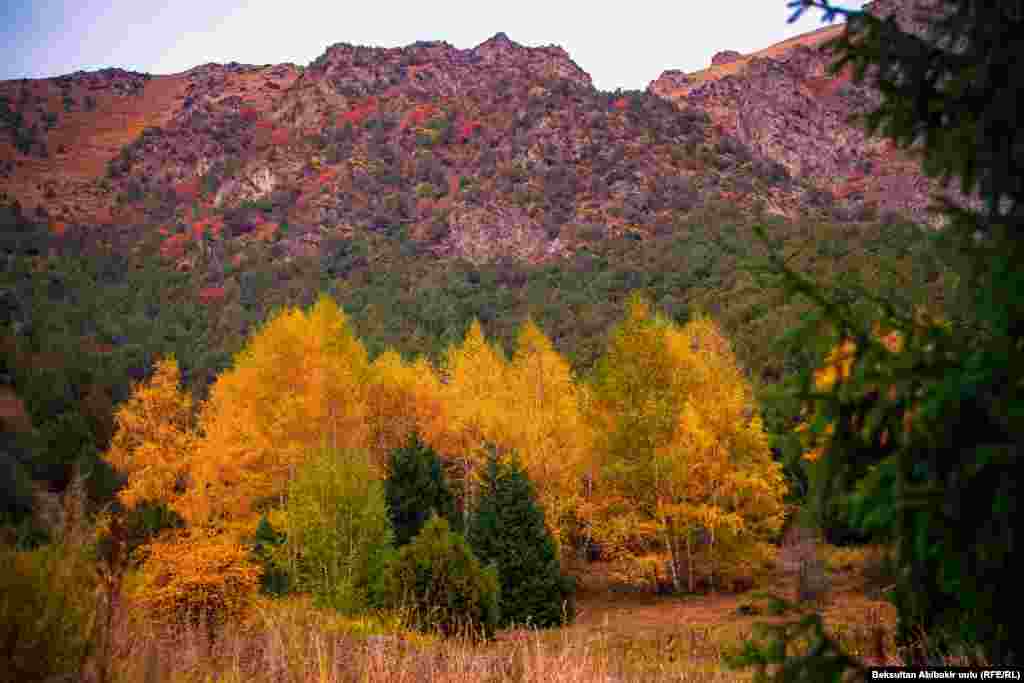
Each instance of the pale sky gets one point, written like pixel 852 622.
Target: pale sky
pixel 620 44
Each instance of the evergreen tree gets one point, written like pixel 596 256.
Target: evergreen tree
pixel 508 529
pixel 926 440
pixel 275 579
pixel 442 585
pixel 415 488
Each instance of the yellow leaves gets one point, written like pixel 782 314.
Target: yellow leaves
pixel 681 426
pixel 300 381
pixel 155 437
pixel 546 427
pixel 838 366
pixel 402 397
pixel 475 393
pixel 670 414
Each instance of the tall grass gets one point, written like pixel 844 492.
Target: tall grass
pixel 48 601
pixel 290 641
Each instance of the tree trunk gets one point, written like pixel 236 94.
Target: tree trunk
pixel 673 554
pixel 689 561
pixel 466 497
pixel 711 559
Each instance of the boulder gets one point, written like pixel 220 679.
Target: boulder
pixel 725 57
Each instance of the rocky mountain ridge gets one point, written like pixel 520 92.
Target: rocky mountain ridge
pixel 496 152
pixel 782 103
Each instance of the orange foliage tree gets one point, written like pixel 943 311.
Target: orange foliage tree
pixel 301 382
pixel 191 573
pixel 199 576
pixel 155 438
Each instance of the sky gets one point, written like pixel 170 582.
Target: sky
pixel 620 44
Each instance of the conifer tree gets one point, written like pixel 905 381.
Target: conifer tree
pixel 508 529
pixel 943 491
pixel 415 488
pixel 443 585
pixel 275 579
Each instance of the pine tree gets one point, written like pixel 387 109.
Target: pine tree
pixel 942 491
pixel 508 529
pixel 415 488
pixel 275 579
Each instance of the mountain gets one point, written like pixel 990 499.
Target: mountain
pixel 501 151
pixel 422 187
pixel 782 103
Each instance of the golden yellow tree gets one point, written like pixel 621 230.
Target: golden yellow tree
pixel 402 397
pixel 717 473
pixel 633 406
pixel 476 398
pixel 155 438
pixel 299 384
pixel 682 447
pixel 545 425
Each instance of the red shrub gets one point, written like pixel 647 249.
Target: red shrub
pixel 187 190
pixel 213 225
pixel 468 128
pixel 359 113
pixel 280 136
pixel 174 246
pixel 210 295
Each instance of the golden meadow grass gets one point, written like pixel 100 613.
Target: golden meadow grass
pixel 616 637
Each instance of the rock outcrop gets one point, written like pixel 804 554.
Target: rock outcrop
pixel 782 103
pixel 725 57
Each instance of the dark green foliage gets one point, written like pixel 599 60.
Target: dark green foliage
pixel 145 521
pixel 79 323
pixel 274 580
pixel 944 492
pixel 508 529
pixel 442 585
pixel 416 489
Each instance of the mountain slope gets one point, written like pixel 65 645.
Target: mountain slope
pixel 501 151
pixel 781 102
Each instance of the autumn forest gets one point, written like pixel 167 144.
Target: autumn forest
pixel 439 364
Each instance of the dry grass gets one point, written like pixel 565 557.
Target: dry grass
pixel 300 645
pixel 616 637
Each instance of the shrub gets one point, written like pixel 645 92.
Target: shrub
pixel 197 577
pixel 508 529
pixel 338 527
pixel 48 605
pixel 415 489
pixel 441 584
